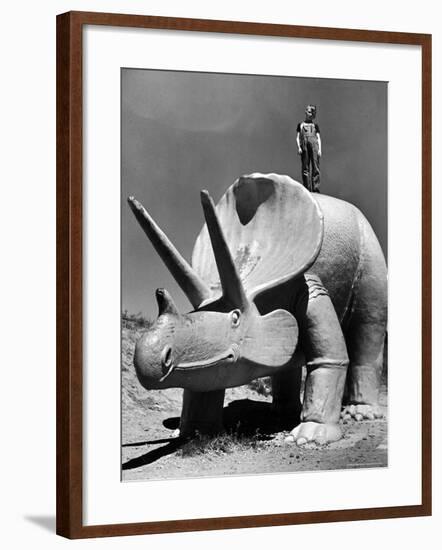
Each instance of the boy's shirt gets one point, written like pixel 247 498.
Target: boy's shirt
pixel 308 129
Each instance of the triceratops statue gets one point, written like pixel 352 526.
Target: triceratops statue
pixel 279 278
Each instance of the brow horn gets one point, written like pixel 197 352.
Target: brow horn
pixel 233 290
pixel 189 281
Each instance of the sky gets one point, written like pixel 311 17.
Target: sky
pixel 185 131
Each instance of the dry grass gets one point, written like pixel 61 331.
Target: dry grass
pixel 226 442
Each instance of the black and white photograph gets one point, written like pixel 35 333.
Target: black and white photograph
pixel 254 275
pixel 221 266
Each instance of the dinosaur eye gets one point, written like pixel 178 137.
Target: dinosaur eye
pixel 236 315
pixel 166 356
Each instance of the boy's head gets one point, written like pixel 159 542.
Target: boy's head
pixel 310 112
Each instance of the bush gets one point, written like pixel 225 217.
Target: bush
pixel 262 386
pixel 134 320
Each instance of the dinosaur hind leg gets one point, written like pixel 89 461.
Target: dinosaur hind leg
pixel 365 345
pixel 366 330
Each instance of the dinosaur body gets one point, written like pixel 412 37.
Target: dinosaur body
pixel 278 279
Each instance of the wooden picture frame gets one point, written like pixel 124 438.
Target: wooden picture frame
pixel 70 156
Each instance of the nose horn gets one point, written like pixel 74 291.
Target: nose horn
pixel 165 303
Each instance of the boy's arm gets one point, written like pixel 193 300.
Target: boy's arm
pixel 319 144
pixel 298 141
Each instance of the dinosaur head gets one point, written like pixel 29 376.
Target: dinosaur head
pixel 207 350
pixel 224 341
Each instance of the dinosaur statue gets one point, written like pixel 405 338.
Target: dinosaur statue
pixel 279 278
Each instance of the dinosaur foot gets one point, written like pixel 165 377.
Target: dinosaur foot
pixel 314 432
pixel 361 412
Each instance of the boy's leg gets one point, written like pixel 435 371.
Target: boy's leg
pixel 316 172
pixel 305 160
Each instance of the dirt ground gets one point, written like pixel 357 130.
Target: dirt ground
pixel 254 443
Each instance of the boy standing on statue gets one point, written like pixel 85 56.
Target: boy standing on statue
pixel 308 140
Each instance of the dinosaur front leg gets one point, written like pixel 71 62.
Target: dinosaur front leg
pixel 327 361
pixel 202 412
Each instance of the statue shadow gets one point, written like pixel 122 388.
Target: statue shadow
pixel 172 423
pixel 151 442
pixel 248 417
pixel 154 455
pixel 243 417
